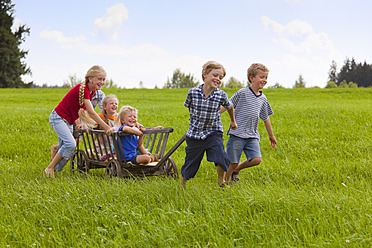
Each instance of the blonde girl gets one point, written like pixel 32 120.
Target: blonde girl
pixel 109 107
pixel 108 115
pixel 75 104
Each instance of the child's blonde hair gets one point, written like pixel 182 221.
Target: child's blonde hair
pixel 210 65
pixel 84 116
pixel 123 112
pixel 104 103
pixel 254 69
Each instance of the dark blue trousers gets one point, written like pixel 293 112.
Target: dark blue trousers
pixel 212 145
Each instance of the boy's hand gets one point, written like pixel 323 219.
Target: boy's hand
pixel 233 125
pixel 273 141
pixel 138 131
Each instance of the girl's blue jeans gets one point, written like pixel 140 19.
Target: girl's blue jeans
pixel 66 141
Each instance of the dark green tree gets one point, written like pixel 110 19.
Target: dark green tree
pixel 358 73
pixel 12 66
pixel 180 80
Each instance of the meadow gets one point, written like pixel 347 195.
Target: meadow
pixel 312 190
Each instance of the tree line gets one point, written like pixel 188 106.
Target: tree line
pixel 351 74
pixel 182 80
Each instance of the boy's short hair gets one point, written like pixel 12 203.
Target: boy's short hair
pixel 123 112
pixel 254 68
pixel 210 65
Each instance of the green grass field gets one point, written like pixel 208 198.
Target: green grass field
pixel 312 190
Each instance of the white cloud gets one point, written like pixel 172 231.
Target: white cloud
pixel 126 65
pixel 303 51
pixel 112 21
pixel 58 37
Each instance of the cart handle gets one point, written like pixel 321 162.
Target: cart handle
pixel 170 152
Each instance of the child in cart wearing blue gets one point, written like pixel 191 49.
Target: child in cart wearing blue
pixel 127 120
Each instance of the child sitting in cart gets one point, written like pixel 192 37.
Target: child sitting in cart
pixel 127 120
pixel 108 115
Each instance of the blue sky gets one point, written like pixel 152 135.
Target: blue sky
pixel 144 40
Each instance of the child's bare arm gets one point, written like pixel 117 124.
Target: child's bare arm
pixel 222 109
pixel 158 127
pixel 233 124
pixel 141 148
pixel 78 125
pixel 131 130
pixel 270 133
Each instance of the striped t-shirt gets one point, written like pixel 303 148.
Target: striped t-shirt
pixel 249 108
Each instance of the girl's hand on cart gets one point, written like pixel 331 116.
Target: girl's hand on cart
pixel 77 127
pixel 109 130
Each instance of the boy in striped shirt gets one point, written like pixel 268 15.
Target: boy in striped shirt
pixel 250 105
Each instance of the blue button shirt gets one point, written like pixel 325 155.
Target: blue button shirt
pixel 205 115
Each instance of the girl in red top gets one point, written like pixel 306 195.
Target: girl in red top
pixel 75 104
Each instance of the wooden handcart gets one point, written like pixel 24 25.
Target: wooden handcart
pixel 98 153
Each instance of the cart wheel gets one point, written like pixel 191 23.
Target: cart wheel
pixel 113 169
pixel 171 168
pixel 79 162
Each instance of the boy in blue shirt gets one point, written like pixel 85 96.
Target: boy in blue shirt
pixel 127 119
pixel 250 105
pixel 205 128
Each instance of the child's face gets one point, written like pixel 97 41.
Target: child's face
pixel 214 77
pixel 260 80
pixel 111 106
pixel 98 81
pixel 130 119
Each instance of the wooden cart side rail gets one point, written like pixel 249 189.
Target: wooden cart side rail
pixel 118 147
pixel 87 145
pixel 101 144
pixel 93 146
pixel 164 144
